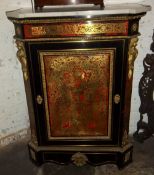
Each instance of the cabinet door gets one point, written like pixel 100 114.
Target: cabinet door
pixel 77 88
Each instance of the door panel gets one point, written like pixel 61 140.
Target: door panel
pixel 79 84
pixel 78 93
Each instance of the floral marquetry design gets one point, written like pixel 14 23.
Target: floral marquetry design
pixel 77 88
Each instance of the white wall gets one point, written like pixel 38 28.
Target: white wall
pixel 145 40
pixel 14 120
pixel 13 109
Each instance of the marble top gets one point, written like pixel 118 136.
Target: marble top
pixel 79 10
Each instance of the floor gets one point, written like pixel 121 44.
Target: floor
pixel 14 160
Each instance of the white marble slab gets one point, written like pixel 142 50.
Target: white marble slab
pixel 80 10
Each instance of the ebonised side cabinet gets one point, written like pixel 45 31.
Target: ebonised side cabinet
pixel 78 69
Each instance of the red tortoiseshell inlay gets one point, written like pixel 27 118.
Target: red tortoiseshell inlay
pixel 77 90
pixel 76 29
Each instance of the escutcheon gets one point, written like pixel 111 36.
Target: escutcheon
pixel 39 99
pixel 117 99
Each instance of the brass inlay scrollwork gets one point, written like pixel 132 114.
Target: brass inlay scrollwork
pixel 79 29
pixel 38 30
pixel 125 138
pixel 134 27
pixel 18 30
pixel 21 55
pixel 132 54
pixel 79 159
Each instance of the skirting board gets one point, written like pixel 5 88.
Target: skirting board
pixel 14 137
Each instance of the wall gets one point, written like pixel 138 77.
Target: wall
pixel 145 40
pixel 14 121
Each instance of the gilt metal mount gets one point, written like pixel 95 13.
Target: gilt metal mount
pixel 21 55
pixel 79 159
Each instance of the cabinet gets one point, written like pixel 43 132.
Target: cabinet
pixel 78 69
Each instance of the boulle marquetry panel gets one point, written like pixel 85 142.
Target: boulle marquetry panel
pixel 78 93
pixel 76 29
pixel 78 78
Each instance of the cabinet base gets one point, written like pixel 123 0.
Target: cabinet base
pixel 80 155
